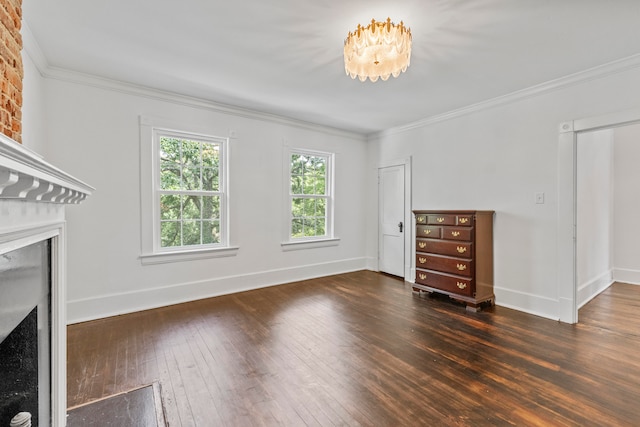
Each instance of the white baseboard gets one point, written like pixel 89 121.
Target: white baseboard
pixel 86 309
pixel 528 303
pixel 591 289
pixel 625 275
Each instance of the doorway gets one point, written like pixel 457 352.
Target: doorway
pixel 394 220
pixel 568 292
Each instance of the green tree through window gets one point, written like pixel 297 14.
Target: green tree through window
pixel 190 195
pixel 309 195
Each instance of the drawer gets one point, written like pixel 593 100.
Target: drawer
pixel 465 220
pixel 457 233
pixel 429 231
pixel 462 267
pixel 443 247
pixel 421 219
pixel 442 219
pixel 446 282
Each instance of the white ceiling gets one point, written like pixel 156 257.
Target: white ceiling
pixel 285 57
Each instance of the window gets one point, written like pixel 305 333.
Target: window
pixel 310 202
pixel 184 194
pixel 189 194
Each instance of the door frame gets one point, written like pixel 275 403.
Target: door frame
pixel 408 218
pixel 567 203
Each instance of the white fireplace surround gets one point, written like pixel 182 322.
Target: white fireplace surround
pixel 33 196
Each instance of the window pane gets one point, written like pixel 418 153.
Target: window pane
pixel 210 207
pixel 297 163
pixel 210 232
pixel 309 225
pixel 169 177
pixel 297 207
pixel 191 179
pixel 169 206
pixel 296 185
pixel 191 153
pixel 321 206
pixel 308 184
pixel 169 150
pixel 170 234
pixel 309 207
pixel 210 179
pixel 210 155
pixel 320 186
pixel 191 233
pixel 296 227
pixel 192 207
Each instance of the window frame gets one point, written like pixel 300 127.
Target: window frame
pixel 305 242
pixel 151 130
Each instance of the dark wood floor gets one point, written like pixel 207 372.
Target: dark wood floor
pixel 361 349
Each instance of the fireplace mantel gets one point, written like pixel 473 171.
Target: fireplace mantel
pixel 26 176
pixel 33 196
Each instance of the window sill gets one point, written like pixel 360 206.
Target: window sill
pixel 188 255
pixel 309 244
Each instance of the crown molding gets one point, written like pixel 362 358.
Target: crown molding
pixel 594 73
pixel 32 48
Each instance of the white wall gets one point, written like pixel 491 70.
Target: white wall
pixel 498 158
pixel 33 108
pixel 93 134
pixel 627 204
pixel 594 218
pixel 492 158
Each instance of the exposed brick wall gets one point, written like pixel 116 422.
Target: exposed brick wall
pixel 11 69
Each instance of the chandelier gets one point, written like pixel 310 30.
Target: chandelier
pixel 379 50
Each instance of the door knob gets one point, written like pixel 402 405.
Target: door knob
pixel 400 226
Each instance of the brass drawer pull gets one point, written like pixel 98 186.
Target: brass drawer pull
pixel 455 233
pixel 422 245
pixel 461 267
pixel 422 276
pixel 427 232
pixel 421 220
pixel 461 285
pixel 422 260
pixel 461 249
pixel 440 219
pixel 464 220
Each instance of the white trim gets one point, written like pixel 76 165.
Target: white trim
pixel 567 208
pixel 25 175
pixel 188 255
pixel 597 72
pixel 31 48
pixel 329 239
pixel 55 232
pixel 625 275
pixel 593 288
pixel 34 51
pixel 528 303
pixel 150 250
pixel 309 244
pixel 98 307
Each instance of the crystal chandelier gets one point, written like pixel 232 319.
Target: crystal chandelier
pixel 379 50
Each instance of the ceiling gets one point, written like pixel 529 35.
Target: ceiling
pixel 284 57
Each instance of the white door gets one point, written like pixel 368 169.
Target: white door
pixel 391 216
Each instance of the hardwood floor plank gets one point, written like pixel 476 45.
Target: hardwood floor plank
pixel 361 349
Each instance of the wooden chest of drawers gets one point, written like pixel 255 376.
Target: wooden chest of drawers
pixel 454 255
